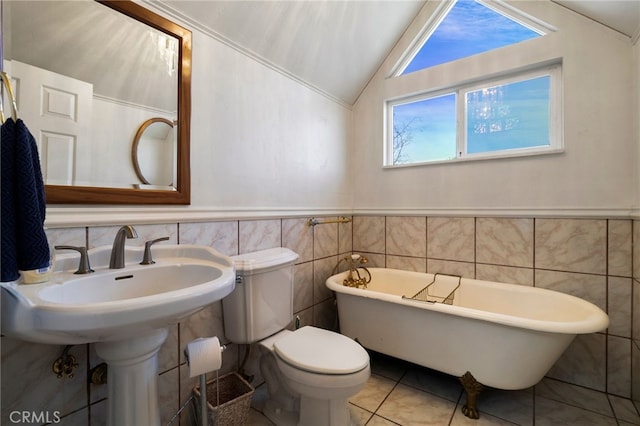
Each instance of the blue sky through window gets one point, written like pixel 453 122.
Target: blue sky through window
pixel 431 128
pixel 509 116
pixel 469 28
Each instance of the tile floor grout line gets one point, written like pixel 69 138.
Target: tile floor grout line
pixel 605 394
pixel 613 410
pixel 455 408
pixel 533 405
pixel 386 397
pixel 612 416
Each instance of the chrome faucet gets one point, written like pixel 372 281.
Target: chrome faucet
pixel 117 251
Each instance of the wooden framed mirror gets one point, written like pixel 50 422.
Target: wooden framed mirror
pixel 121 69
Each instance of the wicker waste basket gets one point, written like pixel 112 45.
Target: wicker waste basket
pixel 235 400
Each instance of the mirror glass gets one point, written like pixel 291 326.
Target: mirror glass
pixel 153 152
pixel 87 76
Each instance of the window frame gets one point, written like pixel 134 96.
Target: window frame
pixel 440 13
pixel 556 140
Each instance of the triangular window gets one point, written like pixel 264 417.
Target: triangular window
pixel 468 27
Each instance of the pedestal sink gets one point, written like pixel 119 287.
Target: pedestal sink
pixel 125 312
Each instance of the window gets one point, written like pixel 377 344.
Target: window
pixel 467 27
pixel 510 116
pixel 507 113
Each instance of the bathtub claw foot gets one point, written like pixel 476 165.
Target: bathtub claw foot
pixel 470 412
pixel 472 388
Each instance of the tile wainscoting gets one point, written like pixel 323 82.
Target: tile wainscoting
pixel 591 258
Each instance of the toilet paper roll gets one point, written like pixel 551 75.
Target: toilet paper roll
pixel 203 355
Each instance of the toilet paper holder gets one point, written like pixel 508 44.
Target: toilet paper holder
pixel 204 355
pixel 211 344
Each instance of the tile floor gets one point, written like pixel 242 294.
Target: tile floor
pixel 400 393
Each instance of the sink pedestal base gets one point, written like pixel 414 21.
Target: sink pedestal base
pixel 132 379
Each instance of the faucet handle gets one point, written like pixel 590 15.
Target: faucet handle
pixel 83 267
pixel 147 259
pixel 358 258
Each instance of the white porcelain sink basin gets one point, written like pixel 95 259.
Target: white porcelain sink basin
pixel 133 283
pixel 116 304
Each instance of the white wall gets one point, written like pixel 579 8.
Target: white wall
pixel 592 176
pixel 261 140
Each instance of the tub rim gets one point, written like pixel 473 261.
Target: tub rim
pixel 596 321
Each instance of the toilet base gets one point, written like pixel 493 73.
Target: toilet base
pixel 322 412
pixel 312 413
pixel 279 416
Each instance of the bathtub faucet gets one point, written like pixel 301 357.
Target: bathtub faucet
pixel 354 279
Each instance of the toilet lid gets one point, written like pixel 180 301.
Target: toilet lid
pixel 321 351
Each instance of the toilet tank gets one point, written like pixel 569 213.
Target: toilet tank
pixel 262 302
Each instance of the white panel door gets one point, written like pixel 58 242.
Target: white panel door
pixel 57 110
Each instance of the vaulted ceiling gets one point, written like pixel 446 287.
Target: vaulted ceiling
pixel 337 46
pixel 621 15
pixel 334 46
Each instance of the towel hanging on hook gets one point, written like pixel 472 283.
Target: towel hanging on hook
pixel 6 82
pixel 24 250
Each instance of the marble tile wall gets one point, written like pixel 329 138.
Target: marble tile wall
pixel 28 384
pixel 589 258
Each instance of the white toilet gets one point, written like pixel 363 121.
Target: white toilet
pixel 311 372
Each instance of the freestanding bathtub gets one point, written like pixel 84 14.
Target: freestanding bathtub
pixel 505 336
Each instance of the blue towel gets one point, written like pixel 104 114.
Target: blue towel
pixel 24 242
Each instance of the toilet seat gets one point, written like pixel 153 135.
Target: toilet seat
pixel 321 351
